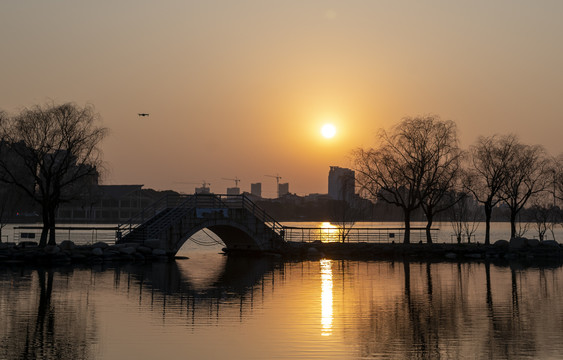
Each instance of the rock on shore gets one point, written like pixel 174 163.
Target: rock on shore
pixel 518 248
pixel 67 252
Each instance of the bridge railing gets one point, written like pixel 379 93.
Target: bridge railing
pixel 177 205
pixel 239 202
pixel 262 215
pixel 149 212
pixel 354 235
pixel 173 214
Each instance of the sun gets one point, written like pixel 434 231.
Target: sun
pixel 328 131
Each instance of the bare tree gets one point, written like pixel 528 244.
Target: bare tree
pixel 557 175
pixel 488 171
pixel 408 163
pixel 344 216
pixel 529 173
pixel 437 190
pixel 344 210
pixel 464 217
pixel 471 223
pixel 544 213
pixel 57 146
pixel 455 215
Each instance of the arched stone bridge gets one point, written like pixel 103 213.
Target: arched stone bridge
pixel 235 219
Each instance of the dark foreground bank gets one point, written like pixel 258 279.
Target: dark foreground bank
pixel 67 252
pixel 519 248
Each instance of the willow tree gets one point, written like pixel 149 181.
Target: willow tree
pixel 442 179
pixel 529 173
pixel 557 175
pixel 415 162
pixel 51 153
pixel 489 169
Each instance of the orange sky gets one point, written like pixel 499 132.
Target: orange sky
pixel 241 88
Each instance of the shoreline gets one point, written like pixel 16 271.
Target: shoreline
pixel 68 253
pixel 529 251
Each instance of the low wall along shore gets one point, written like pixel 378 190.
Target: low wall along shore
pixel 67 252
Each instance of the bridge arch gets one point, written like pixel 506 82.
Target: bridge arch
pixel 235 236
pixel 235 219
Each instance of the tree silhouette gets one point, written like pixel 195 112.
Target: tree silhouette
pixel 528 174
pixel 414 163
pixel 489 169
pixel 56 147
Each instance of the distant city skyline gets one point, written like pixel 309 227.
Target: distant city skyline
pixel 242 89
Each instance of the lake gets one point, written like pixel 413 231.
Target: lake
pixel 216 307
pixel 101 232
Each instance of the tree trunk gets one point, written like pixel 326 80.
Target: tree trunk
pixel 45 229
pixel 512 223
pixel 407 236
pixel 488 211
pixel 429 218
pixel 52 235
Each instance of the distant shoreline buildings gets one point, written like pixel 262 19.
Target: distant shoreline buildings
pixel 112 204
pixel 341 184
pixel 117 203
pixel 256 189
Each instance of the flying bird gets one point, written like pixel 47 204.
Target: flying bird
pixel 143 114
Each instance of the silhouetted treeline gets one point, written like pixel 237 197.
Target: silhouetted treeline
pixel 418 166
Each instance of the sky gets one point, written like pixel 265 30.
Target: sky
pixel 240 89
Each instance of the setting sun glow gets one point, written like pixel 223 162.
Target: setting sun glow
pixel 328 131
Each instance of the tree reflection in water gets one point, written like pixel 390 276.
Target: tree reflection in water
pixel 47 326
pixel 396 309
pixel 447 320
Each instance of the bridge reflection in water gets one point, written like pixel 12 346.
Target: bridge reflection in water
pixel 268 309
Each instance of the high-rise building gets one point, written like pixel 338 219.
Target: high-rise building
pixel 341 183
pixel 283 189
pixel 233 191
pixel 202 190
pixel 256 189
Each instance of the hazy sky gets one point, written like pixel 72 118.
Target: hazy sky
pixel 241 88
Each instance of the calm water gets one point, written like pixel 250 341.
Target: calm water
pixel 216 307
pixel 499 230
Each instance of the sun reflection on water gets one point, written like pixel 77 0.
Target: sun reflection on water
pixel 326 297
pixel 329 232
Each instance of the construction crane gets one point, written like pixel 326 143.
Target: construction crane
pixel 277 177
pixel 236 180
